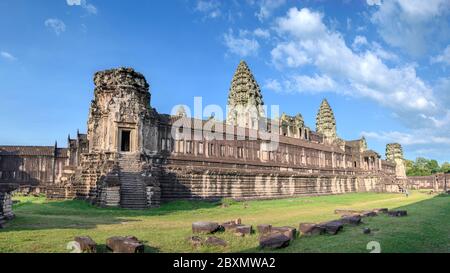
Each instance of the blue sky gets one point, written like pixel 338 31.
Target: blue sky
pixel 383 65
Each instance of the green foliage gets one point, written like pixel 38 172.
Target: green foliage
pixel 445 168
pixel 425 167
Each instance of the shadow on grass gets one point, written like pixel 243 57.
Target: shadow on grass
pixel 101 248
pixel 39 214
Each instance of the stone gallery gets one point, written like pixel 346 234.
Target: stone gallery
pixel 131 157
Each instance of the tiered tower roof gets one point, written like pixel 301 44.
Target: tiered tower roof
pixel 394 151
pixel 245 102
pixel 244 89
pixel 325 121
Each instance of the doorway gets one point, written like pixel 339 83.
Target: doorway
pixel 125 141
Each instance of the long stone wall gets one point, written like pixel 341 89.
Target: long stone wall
pixel 187 180
pixel 33 168
pixel 437 182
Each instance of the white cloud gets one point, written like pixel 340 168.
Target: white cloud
pixel 289 54
pixel 301 23
pixel 359 42
pixel 241 44
pixel 262 33
pixel 84 4
pixel 407 139
pixel 273 85
pixel 378 50
pixel 303 84
pixel 416 26
pixel 209 7
pixel 373 2
pixel 73 2
pixel 8 56
pixel 267 7
pixel 442 58
pixel 315 84
pixel 56 25
pixel 306 40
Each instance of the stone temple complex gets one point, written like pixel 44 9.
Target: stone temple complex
pixel 134 157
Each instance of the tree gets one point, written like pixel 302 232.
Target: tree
pixel 424 167
pixel 445 168
pixel 433 166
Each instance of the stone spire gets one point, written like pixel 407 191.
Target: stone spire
pixel 181 112
pixel 394 154
pixel 325 121
pixel 244 100
pixel 394 151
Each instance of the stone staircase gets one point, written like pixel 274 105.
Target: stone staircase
pixel 133 191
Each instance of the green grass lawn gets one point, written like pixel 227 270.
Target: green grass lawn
pixel 47 226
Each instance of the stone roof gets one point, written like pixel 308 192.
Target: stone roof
pixel 82 136
pixel 32 151
pixel 371 153
pixel 353 142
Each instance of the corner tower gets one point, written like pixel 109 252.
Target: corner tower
pixel 394 154
pixel 120 114
pixel 122 128
pixel 245 101
pixel 325 122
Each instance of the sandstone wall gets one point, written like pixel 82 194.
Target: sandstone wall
pixel 109 197
pixel 433 182
pixel 33 168
pixel 240 182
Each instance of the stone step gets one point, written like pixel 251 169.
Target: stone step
pixel 133 192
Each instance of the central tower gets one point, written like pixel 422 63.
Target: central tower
pixel 245 101
pixel 326 123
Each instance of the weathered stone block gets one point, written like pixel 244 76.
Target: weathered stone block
pixel 309 229
pixel 118 244
pixel 214 241
pixel 347 212
pixel 205 227
pixel 381 210
pixel 243 230
pixel 274 240
pixel 332 227
pixel 87 245
pixel 368 213
pixel 195 241
pixel 263 229
pixel 289 232
pixel 231 225
pixel 398 213
pixel 351 220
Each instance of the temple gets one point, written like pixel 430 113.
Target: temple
pixel 134 157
